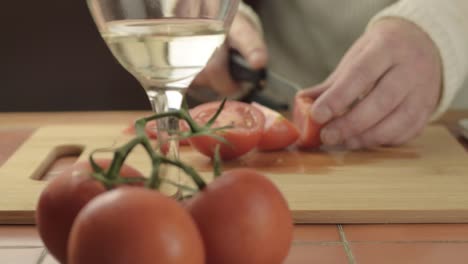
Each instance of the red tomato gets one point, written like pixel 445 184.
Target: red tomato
pixel 302 118
pixel 248 124
pixel 243 218
pixel 278 132
pixel 135 225
pixel 63 198
pixel 152 132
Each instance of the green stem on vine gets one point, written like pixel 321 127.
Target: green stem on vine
pixel 120 155
pixel 112 176
pixel 102 178
pixel 93 163
pixel 190 171
pixel 140 125
pixel 194 127
pixel 180 186
pixel 154 180
pixel 129 180
pixel 218 112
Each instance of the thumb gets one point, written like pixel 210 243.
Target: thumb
pixel 246 38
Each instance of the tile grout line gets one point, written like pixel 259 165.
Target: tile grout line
pixel 412 242
pixel 316 243
pixel 346 246
pixel 42 257
pixel 20 247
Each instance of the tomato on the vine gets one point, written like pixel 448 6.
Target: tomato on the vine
pixel 243 218
pixel 278 133
pixel 134 225
pixel 247 122
pixel 303 119
pixel 63 198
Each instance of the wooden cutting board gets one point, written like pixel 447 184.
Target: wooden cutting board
pixel 425 181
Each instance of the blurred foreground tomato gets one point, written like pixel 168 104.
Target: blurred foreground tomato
pixel 135 225
pixel 243 218
pixel 63 198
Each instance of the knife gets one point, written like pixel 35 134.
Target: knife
pixel 263 86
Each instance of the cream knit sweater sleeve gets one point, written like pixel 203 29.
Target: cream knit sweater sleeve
pixel 446 22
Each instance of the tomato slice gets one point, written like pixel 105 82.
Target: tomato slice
pixel 152 132
pixel 278 132
pixel 302 118
pixel 248 124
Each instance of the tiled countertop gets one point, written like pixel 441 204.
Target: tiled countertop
pixel 324 244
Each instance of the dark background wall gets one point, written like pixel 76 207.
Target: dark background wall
pixel 52 58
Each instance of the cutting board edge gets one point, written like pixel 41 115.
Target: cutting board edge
pixel 17 217
pixel 451 216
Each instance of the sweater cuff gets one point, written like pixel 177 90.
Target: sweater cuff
pixel 250 14
pixel 444 31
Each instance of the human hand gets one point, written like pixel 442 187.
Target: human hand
pixel 384 90
pixel 244 37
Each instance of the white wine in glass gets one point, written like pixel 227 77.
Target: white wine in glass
pixel 166 50
pixel 164 44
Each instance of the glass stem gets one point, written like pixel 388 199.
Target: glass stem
pixel 164 100
pixel 166 127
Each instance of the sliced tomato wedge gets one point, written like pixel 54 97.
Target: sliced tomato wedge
pixel 278 132
pixel 152 132
pixel 247 122
pixel 302 118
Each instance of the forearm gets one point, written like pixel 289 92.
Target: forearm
pixel 447 25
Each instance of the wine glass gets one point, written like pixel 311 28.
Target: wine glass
pixel 164 44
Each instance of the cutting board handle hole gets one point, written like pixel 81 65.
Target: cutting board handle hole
pixel 58 159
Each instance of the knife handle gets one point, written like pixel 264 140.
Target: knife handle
pixel 241 71
pixel 252 80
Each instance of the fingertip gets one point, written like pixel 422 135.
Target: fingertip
pixel 301 93
pixel 321 113
pixel 257 58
